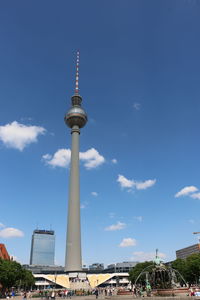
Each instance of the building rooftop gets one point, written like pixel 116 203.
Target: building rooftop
pixel 42 231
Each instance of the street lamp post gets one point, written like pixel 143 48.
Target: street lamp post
pixel 55 277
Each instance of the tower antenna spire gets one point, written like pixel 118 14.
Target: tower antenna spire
pixel 77 73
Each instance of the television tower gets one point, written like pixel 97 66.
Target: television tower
pixel 75 118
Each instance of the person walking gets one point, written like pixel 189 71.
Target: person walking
pixel 96 293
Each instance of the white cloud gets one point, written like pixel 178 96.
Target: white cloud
pixel 10 232
pixel 114 161
pixel 191 221
pixel 186 191
pixel 117 226
pixel 139 218
pixel 84 204
pixel 124 182
pixel 195 196
pixel 146 256
pixel 18 136
pixel 92 158
pixel 46 157
pixel 111 215
pixel 61 158
pixel 95 194
pixel 136 106
pixel 139 185
pixel 145 184
pixel 128 242
pixel 2 225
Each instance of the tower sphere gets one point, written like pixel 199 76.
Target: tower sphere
pixel 76 116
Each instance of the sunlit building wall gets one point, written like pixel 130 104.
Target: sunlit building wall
pixel 3 252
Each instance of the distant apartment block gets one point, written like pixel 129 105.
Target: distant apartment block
pixel 42 248
pixel 39 269
pixel 96 266
pixel 122 267
pixel 185 252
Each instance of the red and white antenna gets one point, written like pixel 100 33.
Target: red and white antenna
pixel 77 74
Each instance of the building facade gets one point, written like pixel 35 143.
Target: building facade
pixel 122 267
pixel 96 267
pixel 3 252
pixel 39 269
pixel 185 252
pixel 42 248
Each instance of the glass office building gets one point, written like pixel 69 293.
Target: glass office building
pixel 42 248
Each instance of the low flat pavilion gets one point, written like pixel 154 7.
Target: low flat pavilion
pixel 94 280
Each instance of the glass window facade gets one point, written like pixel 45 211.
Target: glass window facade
pixel 43 248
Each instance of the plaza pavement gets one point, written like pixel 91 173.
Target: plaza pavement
pixel 117 297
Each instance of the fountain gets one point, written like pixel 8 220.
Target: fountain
pixel 160 279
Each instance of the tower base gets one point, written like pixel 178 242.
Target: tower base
pixel 79 281
pixel 77 275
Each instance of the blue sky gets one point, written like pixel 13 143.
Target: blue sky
pixel 140 83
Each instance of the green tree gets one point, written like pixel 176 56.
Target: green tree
pixel 12 273
pixel 28 279
pixel 193 268
pixel 136 271
pixel 189 268
pixel 181 266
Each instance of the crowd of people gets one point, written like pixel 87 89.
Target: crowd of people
pixel 102 293
pixel 51 294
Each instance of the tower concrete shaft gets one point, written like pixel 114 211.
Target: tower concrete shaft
pixel 73 261
pixel 75 118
